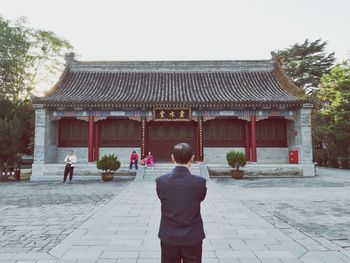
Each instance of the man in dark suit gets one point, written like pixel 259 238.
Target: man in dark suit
pixel 181 193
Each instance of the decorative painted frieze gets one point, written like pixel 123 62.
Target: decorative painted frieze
pixel 246 113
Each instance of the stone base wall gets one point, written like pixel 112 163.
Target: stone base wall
pixel 211 154
pixel 218 154
pixel 57 169
pixel 123 153
pixel 252 169
pixel 272 155
pixel 264 155
pixel 80 152
pixel 264 170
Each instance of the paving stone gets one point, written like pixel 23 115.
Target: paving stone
pixel 234 254
pixel 129 260
pixel 106 261
pixel 82 255
pixel 256 220
pixel 45 213
pixel 269 260
pixel 148 260
pixel 248 260
pixel 277 254
pixel 120 254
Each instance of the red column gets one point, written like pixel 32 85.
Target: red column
pixel 96 146
pixel 198 155
pixel 199 148
pixel 91 139
pixel 247 146
pixel 144 146
pixel 253 127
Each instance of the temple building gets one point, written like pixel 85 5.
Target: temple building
pixel 216 106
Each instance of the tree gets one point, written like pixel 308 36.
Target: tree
pixel 48 52
pixel 14 59
pixel 16 127
pixel 27 56
pixel 11 132
pixel 333 119
pixel 306 63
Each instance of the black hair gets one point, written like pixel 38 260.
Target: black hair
pixel 182 153
pixel 133 151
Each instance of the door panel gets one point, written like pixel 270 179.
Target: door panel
pixel 162 136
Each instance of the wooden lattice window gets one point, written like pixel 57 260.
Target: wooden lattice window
pixel 73 133
pixel 271 133
pixel 120 132
pixel 223 133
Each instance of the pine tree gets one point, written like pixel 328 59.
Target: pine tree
pixel 306 63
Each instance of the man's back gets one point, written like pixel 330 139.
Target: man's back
pixel 181 194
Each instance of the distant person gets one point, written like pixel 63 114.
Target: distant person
pixel 181 193
pixel 70 160
pixel 134 158
pixel 148 161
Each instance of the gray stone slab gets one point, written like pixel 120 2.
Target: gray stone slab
pixel 120 254
pixel 255 220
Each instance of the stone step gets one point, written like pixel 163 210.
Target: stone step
pixel 259 170
pixel 164 172
pixel 160 169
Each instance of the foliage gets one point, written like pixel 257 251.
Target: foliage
pixel 108 163
pixel 14 59
pixel 236 159
pixel 11 133
pixel 306 63
pixel 333 119
pixel 16 127
pixel 48 51
pixel 27 56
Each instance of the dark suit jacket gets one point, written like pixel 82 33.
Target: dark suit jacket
pixel 180 194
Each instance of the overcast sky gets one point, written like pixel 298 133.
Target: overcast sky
pixel 187 29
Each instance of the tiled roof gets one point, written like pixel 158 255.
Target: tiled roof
pixel 176 83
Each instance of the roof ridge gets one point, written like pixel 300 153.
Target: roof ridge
pixel 172 66
pixel 172 61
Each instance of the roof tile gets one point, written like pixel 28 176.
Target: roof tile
pixel 200 83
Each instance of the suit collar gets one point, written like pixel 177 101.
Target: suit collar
pixel 181 169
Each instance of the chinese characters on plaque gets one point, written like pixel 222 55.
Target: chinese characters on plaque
pixel 172 114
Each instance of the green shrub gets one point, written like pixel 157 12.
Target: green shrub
pixel 236 159
pixel 108 163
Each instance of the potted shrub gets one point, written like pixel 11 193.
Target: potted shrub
pixel 236 160
pixel 108 164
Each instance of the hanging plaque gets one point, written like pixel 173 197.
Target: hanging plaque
pixel 172 114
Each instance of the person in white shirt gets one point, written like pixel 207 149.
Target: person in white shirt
pixel 70 160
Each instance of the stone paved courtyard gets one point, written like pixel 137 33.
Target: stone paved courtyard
pixel 317 207
pixel 256 220
pixel 37 216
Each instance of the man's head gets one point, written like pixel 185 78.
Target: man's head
pixel 182 154
pixel 70 152
pixel 133 152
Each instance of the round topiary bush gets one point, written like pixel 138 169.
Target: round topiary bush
pixel 108 163
pixel 236 159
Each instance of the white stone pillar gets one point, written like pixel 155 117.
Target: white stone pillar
pixel 304 139
pixel 44 150
pixel 306 136
pixel 39 139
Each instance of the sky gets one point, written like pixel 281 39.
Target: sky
pixel 187 29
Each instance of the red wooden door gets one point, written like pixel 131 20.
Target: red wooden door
pixel 162 136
